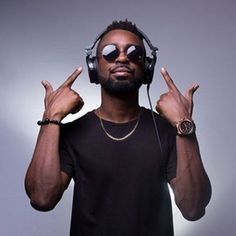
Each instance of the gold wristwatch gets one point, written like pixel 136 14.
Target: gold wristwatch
pixel 185 127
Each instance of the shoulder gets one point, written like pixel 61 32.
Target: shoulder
pixel 162 124
pixel 78 123
pixel 149 114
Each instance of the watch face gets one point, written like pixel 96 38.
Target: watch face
pixel 186 127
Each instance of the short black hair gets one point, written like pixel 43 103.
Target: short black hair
pixel 124 25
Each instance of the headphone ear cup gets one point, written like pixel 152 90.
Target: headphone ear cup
pixel 149 70
pixel 92 69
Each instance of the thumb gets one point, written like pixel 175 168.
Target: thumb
pixel 48 87
pixel 191 91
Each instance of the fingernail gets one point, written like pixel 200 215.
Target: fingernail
pixel 163 69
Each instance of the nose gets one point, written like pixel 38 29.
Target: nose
pixel 122 58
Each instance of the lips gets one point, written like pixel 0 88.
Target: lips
pixel 121 70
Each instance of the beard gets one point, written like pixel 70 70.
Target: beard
pixel 121 86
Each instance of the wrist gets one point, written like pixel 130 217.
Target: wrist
pixel 52 116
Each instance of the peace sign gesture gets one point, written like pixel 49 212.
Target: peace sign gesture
pixel 64 100
pixel 173 105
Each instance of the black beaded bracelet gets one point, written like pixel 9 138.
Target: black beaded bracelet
pixel 48 121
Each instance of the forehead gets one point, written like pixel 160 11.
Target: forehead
pixel 120 37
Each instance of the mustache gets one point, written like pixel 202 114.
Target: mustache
pixel 120 67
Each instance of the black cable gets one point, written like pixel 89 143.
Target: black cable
pixel 154 121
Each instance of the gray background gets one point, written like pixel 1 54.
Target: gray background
pixel 46 40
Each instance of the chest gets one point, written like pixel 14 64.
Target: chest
pixel 132 160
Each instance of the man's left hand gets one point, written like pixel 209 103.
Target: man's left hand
pixel 173 105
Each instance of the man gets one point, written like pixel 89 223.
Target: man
pixel 120 157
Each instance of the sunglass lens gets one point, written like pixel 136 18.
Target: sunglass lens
pixel 135 53
pixel 110 52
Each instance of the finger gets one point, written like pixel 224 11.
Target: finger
pixel 158 109
pixel 48 87
pixel 78 107
pixel 189 93
pixel 72 78
pixel 169 82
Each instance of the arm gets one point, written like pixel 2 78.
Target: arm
pixel 191 186
pixel 44 181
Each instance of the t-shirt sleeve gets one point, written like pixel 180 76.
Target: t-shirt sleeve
pixel 172 157
pixel 66 161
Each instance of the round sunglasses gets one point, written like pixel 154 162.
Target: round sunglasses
pixel 134 53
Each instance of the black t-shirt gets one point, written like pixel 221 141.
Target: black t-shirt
pixel 120 186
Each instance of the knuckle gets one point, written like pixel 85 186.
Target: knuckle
pixel 158 105
pixel 162 96
pixel 169 80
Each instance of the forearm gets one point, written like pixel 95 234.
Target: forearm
pixel 192 187
pixel 43 180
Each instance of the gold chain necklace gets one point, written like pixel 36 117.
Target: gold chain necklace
pixel 115 138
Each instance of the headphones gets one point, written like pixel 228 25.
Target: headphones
pixel 149 61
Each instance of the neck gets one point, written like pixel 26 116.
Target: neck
pixel 119 109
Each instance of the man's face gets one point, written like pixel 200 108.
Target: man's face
pixel 120 69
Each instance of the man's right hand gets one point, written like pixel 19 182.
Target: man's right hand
pixel 62 101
